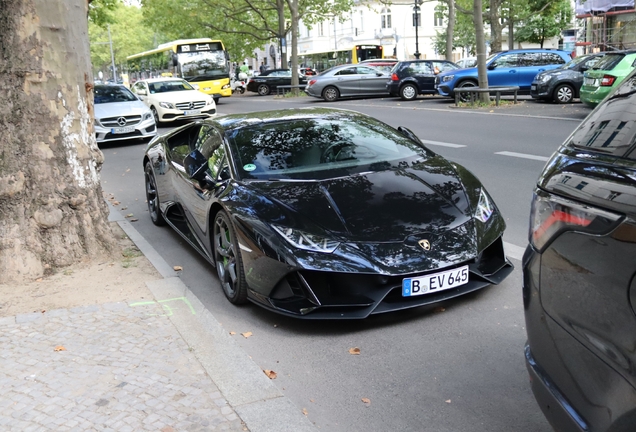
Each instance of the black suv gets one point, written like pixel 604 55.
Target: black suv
pixel 413 77
pixel 563 84
pixel 579 274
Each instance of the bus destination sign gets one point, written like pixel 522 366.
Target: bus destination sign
pixel 210 46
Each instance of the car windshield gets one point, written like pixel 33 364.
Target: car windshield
pixel 168 86
pixel 609 62
pixel 112 94
pixel 574 62
pixel 318 149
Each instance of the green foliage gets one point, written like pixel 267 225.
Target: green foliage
pixel 100 11
pixel 128 33
pixel 546 24
pixel 463 34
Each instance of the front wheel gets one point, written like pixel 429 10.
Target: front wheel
pixel 263 89
pixel 330 94
pixel 465 97
pixel 152 196
pixel 155 114
pixel 563 94
pixel 227 257
pixel 408 92
pixel 216 100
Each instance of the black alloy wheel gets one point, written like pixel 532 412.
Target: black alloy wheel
pixel 463 96
pixel 152 198
pixel 227 257
pixel 330 94
pixel 564 93
pixel 263 89
pixel 408 92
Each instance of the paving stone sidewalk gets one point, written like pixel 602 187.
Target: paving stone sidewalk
pixel 112 367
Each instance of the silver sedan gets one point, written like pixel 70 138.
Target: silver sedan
pixel 348 81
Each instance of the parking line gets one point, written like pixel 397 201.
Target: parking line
pixel 523 155
pixel 442 144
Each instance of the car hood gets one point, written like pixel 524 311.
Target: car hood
pixel 180 96
pixel 116 109
pixel 561 73
pixel 383 206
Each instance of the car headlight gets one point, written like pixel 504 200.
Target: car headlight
pixel 166 105
pixel 485 207
pixel 303 240
pixel 544 78
pixel 147 116
pixel 448 78
pixel 226 86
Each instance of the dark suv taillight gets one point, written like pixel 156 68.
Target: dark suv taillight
pixel 607 80
pixel 394 77
pixel 552 215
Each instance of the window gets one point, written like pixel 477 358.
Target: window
pixel 347 71
pixel 417 19
pixel 550 59
pixel 506 60
pixel 385 17
pixel 361 21
pixel 439 20
pixel 321 29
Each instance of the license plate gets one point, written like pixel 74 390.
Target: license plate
pixel 122 130
pixel 192 112
pixel 533 87
pixel 589 81
pixel 435 282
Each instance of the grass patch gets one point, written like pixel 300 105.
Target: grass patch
pixel 129 254
pixel 490 104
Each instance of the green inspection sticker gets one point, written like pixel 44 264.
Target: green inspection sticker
pixel 249 167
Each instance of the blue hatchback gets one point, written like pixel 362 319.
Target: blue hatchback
pixel 506 68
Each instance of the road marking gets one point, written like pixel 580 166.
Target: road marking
pixel 523 156
pixel 442 144
pixel 513 251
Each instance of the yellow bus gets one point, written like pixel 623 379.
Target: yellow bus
pixel 202 62
pixel 323 60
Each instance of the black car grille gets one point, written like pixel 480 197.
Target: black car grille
pixel 190 105
pixel 134 134
pixel 120 121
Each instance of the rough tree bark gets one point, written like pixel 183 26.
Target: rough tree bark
pixel 480 41
pixel 52 212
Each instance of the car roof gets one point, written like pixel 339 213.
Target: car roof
pixel 237 121
pixel 163 79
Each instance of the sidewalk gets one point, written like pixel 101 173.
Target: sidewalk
pixel 164 365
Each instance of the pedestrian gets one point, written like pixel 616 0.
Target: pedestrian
pixel 262 68
pixel 244 71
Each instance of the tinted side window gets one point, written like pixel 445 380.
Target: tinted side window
pixel 506 60
pixel 530 59
pixel 611 129
pixel 347 71
pixel 183 142
pixel 609 61
pixel 551 58
pixel 366 71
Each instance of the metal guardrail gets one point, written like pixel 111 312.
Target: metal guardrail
pixel 280 90
pixel 498 90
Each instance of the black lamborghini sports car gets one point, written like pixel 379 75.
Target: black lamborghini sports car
pixel 323 213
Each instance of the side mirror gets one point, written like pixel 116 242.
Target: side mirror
pixel 196 165
pixel 141 92
pixel 491 66
pixel 583 68
pixel 380 74
pixel 175 60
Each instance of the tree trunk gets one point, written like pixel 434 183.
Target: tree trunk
pixel 450 30
pixel 482 74
pixel 52 211
pixel 496 27
pixel 280 6
pixel 511 27
pixel 293 8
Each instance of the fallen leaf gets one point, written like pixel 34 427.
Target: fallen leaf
pixel 354 351
pixel 134 220
pixel 492 110
pixel 128 170
pixel 129 215
pixel 270 373
pixel 305 411
pixel 366 401
pixel 232 333
pixel 246 334
pixel 59 348
pixel 448 401
pixel 177 268
pixel 116 203
pixel 124 208
pixel 38 280
pixel 311 400
pixel 439 309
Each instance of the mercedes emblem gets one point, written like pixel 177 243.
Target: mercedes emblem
pixel 425 244
pixel 121 121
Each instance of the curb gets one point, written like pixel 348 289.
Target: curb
pixel 254 398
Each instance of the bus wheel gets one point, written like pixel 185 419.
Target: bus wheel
pixel 216 100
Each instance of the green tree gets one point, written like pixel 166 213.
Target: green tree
pixel 554 17
pixel 128 32
pixel 463 32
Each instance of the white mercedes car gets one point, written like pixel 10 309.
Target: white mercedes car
pixel 119 115
pixel 172 99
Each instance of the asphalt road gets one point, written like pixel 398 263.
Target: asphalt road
pixel 456 366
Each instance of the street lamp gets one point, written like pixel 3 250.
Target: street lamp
pixel 416 21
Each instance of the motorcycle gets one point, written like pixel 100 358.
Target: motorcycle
pixel 238 85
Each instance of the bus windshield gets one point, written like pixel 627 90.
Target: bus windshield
pixel 201 66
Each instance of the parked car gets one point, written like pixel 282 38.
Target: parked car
pixel 172 99
pixel 579 289
pixel 348 81
pixel 516 68
pixel 467 62
pixel 385 67
pixel 119 115
pixel 269 80
pixel 415 77
pixel 608 73
pixel 563 84
pixel 324 213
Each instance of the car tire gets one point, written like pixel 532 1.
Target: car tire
pixel 155 114
pixel 227 257
pixel 564 93
pixel 216 100
pixel 465 97
pixel 241 90
pixel 408 92
pixel 331 94
pixel 263 89
pixel 152 197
